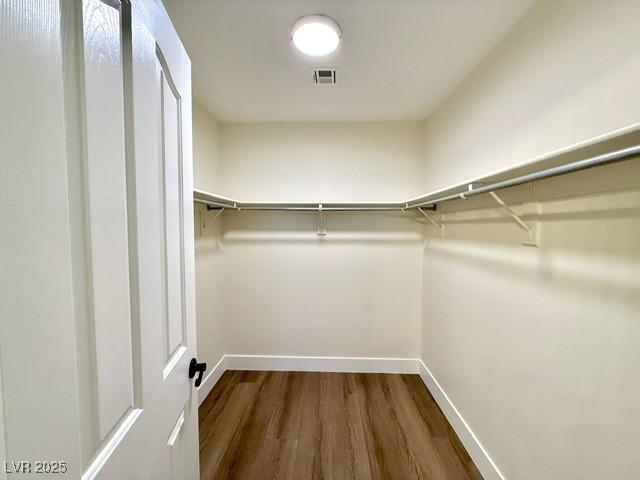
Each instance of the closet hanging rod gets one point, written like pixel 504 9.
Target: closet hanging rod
pixel 315 207
pixel 598 160
pixel 217 201
pixel 424 201
pixel 326 209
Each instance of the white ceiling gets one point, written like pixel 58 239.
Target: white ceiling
pixel 397 60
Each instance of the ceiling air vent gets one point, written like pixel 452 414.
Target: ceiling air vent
pixel 326 76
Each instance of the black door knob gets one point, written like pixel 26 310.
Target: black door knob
pixel 199 368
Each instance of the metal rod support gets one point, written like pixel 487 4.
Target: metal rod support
pixel 511 212
pixel 322 222
pixel 205 222
pixel 215 204
pixel 428 217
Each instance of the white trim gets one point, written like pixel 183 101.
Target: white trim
pixel 322 364
pixel 176 430
pixel 480 457
pixel 116 438
pixel 173 360
pixel 211 379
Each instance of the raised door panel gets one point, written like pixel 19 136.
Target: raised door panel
pixel 106 285
pixel 173 221
pixel 172 204
pixel 107 213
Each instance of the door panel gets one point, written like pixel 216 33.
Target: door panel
pixel 102 237
pixel 106 282
pixel 106 216
pixel 174 69
pixel 173 244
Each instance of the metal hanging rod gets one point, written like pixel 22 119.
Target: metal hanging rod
pixel 424 201
pixel 605 158
pixel 217 202
pixel 326 207
pixel 314 208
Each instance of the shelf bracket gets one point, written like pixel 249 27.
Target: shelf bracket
pixel 440 227
pixel 206 222
pixel 321 223
pixel 533 232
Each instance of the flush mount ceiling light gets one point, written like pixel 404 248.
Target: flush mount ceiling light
pixel 315 35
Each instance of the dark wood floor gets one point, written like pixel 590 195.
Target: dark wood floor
pixel 303 426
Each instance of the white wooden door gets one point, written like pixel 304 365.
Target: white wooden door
pixel 97 302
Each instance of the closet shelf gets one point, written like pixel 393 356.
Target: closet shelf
pixel 428 201
pixel 216 201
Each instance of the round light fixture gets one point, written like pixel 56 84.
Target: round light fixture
pixel 315 35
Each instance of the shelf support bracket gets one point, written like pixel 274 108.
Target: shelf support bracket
pixel 321 223
pixel 432 221
pixel 206 222
pixel 533 233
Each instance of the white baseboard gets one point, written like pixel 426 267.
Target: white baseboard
pixel 322 364
pixel 211 379
pixel 476 451
pixel 304 364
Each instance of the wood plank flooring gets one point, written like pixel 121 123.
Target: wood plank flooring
pixel 303 426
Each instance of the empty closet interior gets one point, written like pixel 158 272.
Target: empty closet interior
pixel 459 198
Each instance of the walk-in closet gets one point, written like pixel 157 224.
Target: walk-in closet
pixel 320 239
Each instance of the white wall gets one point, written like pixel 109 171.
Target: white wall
pixel 267 284
pixel 354 293
pixel 207 173
pixel 539 348
pixel 317 162
pixel 209 276
pixel 567 73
